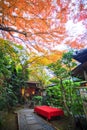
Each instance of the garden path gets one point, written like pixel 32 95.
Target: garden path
pixel 28 120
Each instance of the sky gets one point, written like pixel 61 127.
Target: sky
pixel 76 29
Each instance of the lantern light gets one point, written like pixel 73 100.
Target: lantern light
pixel 22 91
pixel 33 92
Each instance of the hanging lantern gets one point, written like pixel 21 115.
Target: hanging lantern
pixel 22 91
pixel 33 92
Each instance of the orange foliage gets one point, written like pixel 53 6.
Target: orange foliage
pixel 54 56
pixel 42 22
pixel 79 46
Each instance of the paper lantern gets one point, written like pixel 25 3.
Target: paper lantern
pixel 22 91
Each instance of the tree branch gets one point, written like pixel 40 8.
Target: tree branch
pixel 10 29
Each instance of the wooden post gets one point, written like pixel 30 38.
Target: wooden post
pixel 85 108
pixel 85 75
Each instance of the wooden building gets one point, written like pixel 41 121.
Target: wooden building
pixel 32 89
pixel 81 72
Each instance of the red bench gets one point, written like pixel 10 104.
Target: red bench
pixel 48 111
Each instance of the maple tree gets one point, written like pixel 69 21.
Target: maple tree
pixel 39 73
pixel 44 23
pixel 65 84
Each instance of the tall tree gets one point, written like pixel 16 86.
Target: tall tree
pixel 61 70
pixel 39 73
pixel 13 72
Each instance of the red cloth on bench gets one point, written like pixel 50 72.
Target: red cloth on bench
pixel 48 111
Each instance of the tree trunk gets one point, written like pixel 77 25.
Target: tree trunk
pixel 64 97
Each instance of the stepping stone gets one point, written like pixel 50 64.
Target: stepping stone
pixel 36 127
pixel 30 118
pixel 32 122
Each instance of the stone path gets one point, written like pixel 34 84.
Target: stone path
pixel 28 120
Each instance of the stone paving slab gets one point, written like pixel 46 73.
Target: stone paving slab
pixel 32 122
pixel 28 120
pixel 36 127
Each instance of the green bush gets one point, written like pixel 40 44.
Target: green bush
pixel 54 97
pixel 37 100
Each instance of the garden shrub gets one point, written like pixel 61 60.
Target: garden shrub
pixel 37 100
